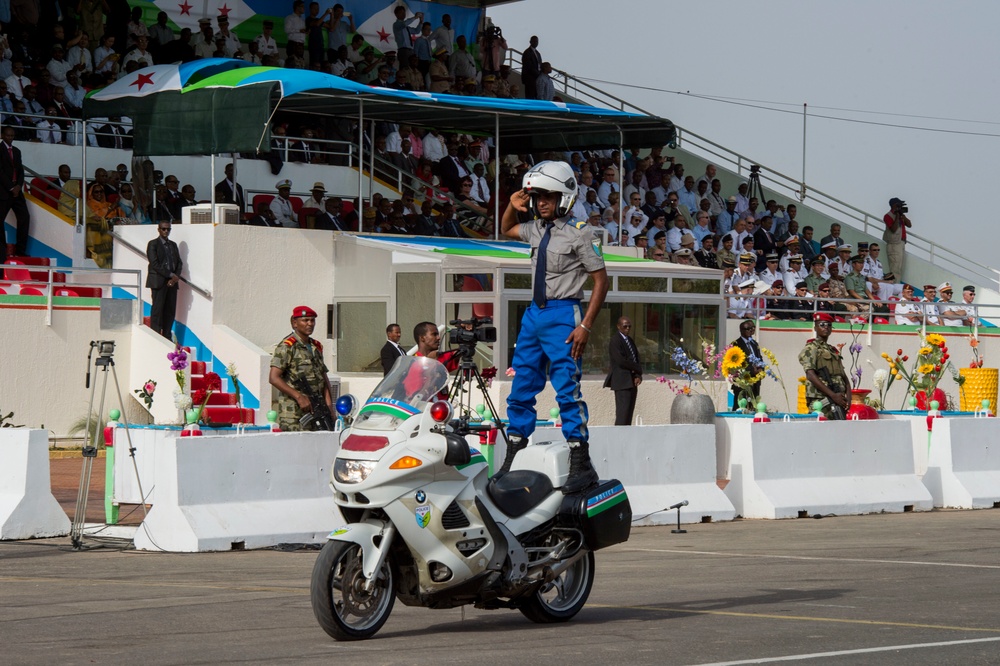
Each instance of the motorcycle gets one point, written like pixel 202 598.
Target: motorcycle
pixel 427 525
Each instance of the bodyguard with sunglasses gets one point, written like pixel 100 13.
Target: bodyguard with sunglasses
pixel 163 278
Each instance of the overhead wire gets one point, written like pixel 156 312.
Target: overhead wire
pixel 761 105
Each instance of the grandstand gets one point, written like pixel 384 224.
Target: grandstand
pixel 240 280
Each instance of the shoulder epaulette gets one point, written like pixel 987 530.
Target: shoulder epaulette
pixel 290 340
pixel 580 224
pixel 317 344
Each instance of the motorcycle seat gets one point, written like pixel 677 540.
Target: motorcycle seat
pixel 518 492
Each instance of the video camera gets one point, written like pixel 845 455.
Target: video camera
pixel 903 208
pixel 105 348
pixel 471 331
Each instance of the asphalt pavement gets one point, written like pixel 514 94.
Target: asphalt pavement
pixel 915 588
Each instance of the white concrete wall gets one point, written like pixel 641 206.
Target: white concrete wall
pixel 241 491
pixel 43 368
pixel 149 361
pixel 778 469
pixel 661 466
pixel 964 463
pixel 27 508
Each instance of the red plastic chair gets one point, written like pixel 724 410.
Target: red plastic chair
pixel 261 198
pixel 348 208
pixel 31 291
pixel 2 289
pixel 16 274
pixel 296 204
pixel 67 292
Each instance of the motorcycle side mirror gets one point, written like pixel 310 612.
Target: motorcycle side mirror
pixel 458 452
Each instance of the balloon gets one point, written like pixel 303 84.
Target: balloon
pixel 272 416
pixel 114 414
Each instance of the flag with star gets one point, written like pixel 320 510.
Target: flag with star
pixel 377 28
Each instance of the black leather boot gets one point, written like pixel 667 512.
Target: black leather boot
pixel 582 474
pixel 515 444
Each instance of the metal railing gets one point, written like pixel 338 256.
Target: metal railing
pixel 50 285
pixel 759 311
pixel 864 221
pixel 56 204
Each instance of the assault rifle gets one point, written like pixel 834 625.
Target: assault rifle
pixel 320 415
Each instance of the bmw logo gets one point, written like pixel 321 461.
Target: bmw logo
pixel 421 497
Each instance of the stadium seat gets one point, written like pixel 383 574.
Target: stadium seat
pixel 296 204
pixel 31 291
pixel 67 292
pixel 17 274
pixel 261 198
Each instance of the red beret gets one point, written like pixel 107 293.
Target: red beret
pixel 823 316
pixel 303 311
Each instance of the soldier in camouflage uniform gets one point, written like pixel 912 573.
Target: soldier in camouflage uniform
pixel 298 359
pixel 825 370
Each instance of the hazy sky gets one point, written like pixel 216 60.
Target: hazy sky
pixel 898 58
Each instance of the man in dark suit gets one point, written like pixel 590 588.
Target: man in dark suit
pixel 12 194
pixel 626 372
pixel 531 67
pixel 763 242
pixel 225 189
pixel 752 350
pixel 329 219
pixel 451 168
pixel 163 278
pixel 391 349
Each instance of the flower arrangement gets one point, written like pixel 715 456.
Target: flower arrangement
pixel 488 374
pixel 928 367
pixel 977 358
pixel 856 327
pixel 882 380
pixel 691 368
pixel 146 393
pixel 234 380
pixel 773 371
pixel 178 363
pixel 738 371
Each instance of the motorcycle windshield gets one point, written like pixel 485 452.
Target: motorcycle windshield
pixel 410 386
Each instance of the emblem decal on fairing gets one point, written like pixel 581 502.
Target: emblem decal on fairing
pixel 423 515
pixel 421 497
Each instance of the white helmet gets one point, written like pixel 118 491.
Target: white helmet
pixel 552 176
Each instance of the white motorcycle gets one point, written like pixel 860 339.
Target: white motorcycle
pixel 427 525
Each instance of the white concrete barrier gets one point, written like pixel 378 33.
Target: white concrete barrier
pixel 778 469
pixel 27 507
pixel 661 466
pixel 963 469
pixel 241 491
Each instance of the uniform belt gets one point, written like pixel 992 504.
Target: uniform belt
pixel 558 302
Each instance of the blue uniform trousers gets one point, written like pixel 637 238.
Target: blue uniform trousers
pixel 542 351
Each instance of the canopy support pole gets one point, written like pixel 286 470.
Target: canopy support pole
pixel 496 177
pixel 621 184
pixel 371 163
pixel 361 172
pixel 211 182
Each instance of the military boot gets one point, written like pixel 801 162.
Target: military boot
pixel 582 474
pixel 515 444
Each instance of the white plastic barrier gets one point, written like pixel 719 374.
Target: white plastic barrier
pixel 964 463
pixel 661 466
pixel 779 469
pixel 27 507
pixel 241 491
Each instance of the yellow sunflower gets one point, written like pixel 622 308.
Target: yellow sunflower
pixel 733 358
pixel 935 339
pixel 926 368
pixel 924 351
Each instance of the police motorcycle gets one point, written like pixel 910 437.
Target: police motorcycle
pixel 426 524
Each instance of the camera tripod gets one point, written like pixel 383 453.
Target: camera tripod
pixel 105 360
pixel 754 188
pixel 467 378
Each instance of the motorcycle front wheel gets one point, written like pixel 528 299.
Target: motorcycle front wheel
pixel 342 605
pixel 564 597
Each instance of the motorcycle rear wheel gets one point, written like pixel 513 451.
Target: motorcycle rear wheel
pixel 344 609
pixel 564 597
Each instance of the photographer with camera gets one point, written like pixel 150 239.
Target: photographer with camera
pixel 554 329
pixel 894 235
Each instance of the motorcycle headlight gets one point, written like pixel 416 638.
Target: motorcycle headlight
pixel 352 471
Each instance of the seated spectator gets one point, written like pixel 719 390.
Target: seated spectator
pixel 800 308
pixel 305 150
pixel 99 223
pixel 139 55
pixel 684 257
pixel 855 284
pixel 330 219
pixel 706 256
pixel 741 303
pixel 908 311
pixel 131 211
pixel 878 282
pixel 80 58
pixel 48 130
pixel 815 277
pixel 770 272
pixel 106 59
pixel 950 314
pixel 264 217
pixel 281 206
pixel 776 309
pixel 316 197
pixel 188 197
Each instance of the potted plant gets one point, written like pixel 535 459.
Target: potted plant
pixel 977 383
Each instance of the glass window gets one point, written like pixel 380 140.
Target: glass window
pixel 357 348
pixel 516 281
pixel 656 328
pixel 415 296
pixel 695 286
pixel 634 283
pixel 468 282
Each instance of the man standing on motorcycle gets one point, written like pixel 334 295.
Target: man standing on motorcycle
pixel 297 365
pixel 554 330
